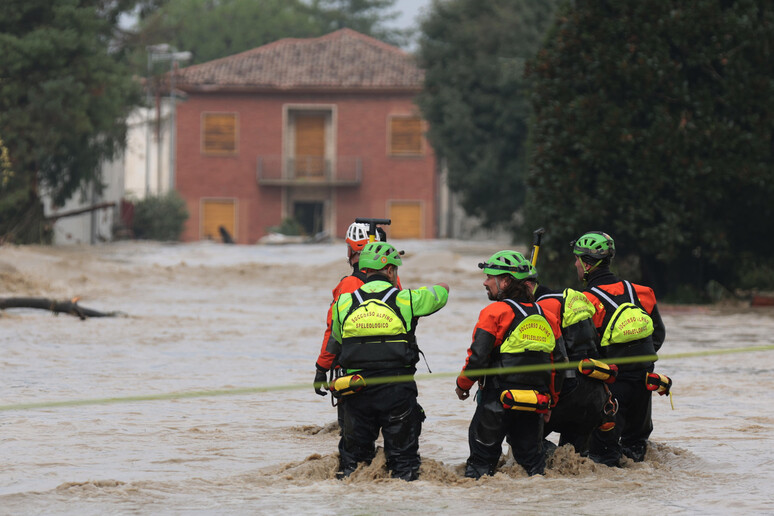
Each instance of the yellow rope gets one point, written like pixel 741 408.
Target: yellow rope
pixel 371 381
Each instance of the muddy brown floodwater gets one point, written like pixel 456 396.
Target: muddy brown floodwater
pixel 203 317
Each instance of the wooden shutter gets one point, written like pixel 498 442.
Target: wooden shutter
pixel 216 213
pixel 310 145
pixel 219 133
pixel 406 220
pixel 405 136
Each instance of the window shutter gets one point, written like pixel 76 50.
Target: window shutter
pixel 219 133
pixel 406 219
pixel 216 213
pixel 406 136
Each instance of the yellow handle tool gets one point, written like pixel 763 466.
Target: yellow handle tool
pixel 537 236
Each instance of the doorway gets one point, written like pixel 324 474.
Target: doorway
pixel 309 214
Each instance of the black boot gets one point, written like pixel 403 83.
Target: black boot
pixel 408 475
pixel 345 471
pixel 636 452
pixel 478 470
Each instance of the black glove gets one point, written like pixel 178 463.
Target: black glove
pixel 320 383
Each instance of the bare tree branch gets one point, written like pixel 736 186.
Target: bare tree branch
pixel 68 307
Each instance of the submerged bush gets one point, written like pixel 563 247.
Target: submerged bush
pixel 289 227
pixel 160 217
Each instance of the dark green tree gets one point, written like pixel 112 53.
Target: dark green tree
pixel 64 96
pixel 476 97
pixel 654 121
pixel 210 29
pixel 366 16
pixel 213 29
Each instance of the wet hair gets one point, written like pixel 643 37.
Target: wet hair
pixel 518 291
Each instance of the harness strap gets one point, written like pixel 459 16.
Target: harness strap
pixel 384 299
pixel 389 293
pixel 599 292
pixel 521 309
pixel 629 290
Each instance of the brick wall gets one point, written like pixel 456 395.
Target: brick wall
pixel 361 130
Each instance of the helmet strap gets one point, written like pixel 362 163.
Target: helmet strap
pixel 587 270
pixel 352 255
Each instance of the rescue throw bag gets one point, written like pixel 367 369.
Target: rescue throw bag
pixel 525 400
pixel 598 370
pixel 660 383
pixel 345 385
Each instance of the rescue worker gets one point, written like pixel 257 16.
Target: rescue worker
pixel 628 325
pixel 356 238
pixel 511 332
pixel 586 401
pixel 373 337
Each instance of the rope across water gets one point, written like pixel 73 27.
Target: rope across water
pixel 371 381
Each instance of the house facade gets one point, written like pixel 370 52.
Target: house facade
pixel 318 130
pixel 94 215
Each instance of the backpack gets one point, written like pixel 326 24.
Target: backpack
pixel 629 321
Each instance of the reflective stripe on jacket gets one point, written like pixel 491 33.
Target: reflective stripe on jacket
pixel 576 314
pixel 347 285
pixel 606 298
pixel 373 327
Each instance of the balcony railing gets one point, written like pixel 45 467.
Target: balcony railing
pixel 338 171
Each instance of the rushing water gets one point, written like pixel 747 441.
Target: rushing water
pixel 211 317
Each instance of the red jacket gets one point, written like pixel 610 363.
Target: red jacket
pixel 490 331
pixel 645 295
pixel 615 287
pixel 607 282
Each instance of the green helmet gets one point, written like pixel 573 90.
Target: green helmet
pixel 594 244
pixel 377 255
pixel 508 262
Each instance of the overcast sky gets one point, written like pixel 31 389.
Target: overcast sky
pixel 409 13
pixel 409 10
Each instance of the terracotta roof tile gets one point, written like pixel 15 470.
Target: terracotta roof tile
pixel 344 59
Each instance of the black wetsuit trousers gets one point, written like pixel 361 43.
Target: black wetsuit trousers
pixel 579 412
pixel 394 410
pixel 633 423
pixel 491 423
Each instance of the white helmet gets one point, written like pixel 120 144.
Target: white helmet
pixel 357 236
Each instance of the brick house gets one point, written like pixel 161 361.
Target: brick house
pixel 321 130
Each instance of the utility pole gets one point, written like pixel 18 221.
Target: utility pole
pixel 160 53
